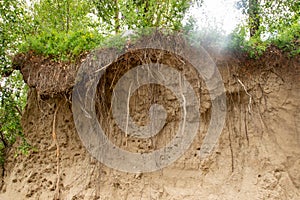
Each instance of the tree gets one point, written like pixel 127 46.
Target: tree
pixel 131 14
pixel 63 33
pixel 252 9
pixel 271 16
pixel 279 14
pixel 13 28
pixel 65 15
pixel 254 16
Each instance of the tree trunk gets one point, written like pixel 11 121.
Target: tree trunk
pixel 254 18
pixel 117 20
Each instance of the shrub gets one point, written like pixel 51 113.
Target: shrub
pixel 62 45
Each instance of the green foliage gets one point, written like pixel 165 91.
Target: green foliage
pixel 271 15
pixel 25 148
pixel 208 38
pixel 136 14
pixel 116 41
pixel 62 45
pixel 13 99
pixel 119 41
pixel 209 35
pixel 14 26
pixel 253 10
pixel 61 16
pixel 12 29
pixel 66 32
pixel 63 33
pixel 278 25
pixel 288 39
pixel 253 46
pixel 279 14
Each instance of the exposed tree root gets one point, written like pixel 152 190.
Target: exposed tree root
pixel 246 128
pixel 230 146
pixel 250 96
pixel 54 137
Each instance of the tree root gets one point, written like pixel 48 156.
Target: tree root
pixel 250 96
pixel 54 137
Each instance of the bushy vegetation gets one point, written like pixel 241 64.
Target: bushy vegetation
pixel 278 25
pixel 62 45
pixel 12 87
pixel 13 100
pixel 286 39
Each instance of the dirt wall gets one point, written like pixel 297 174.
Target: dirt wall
pixel 257 156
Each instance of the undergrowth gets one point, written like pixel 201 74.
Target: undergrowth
pixel 286 39
pixel 13 99
pixel 62 45
pixel 67 46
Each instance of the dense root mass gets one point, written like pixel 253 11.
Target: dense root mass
pixel 257 156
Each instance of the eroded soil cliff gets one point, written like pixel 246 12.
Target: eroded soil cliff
pixel 257 156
